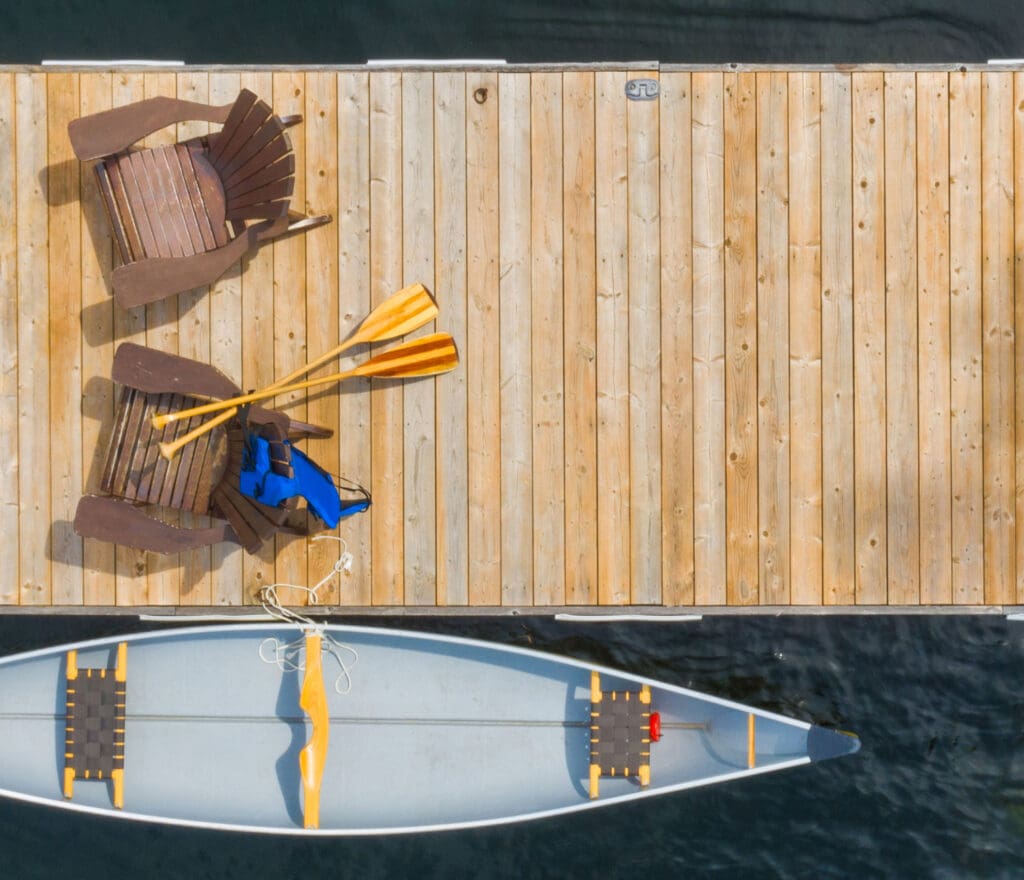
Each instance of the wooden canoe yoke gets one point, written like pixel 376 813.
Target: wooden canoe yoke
pixel 313 757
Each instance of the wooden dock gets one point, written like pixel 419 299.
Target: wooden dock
pixel 751 343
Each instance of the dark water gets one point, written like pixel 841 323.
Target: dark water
pixel 938 788
pixel 326 31
pixel 936 791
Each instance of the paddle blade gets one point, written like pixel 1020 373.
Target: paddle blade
pixel 401 313
pixel 427 356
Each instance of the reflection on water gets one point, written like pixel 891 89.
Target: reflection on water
pixel 936 791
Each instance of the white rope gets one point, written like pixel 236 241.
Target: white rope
pixel 288 656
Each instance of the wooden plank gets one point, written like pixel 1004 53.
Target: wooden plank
pixel 741 338
pixel 164 570
pixel 237 575
pixel 709 393
pixel 320 127
pixel 901 352
pixel 643 118
pixel 773 334
pixel 837 441
pixel 869 336
pixel 65 348
pixel 805 321
pixel 482 368
pixel 450 278
pixel 676 341
pixel 901 340
pixel 9 465
pixel 997 333
pixel 933 337
pixel 966 392
pixel 580 337
pixel 290 311
pixel 547 353
pixel 130 326
pixel 353 220
pixel 420 455
pixel 1018 226
pixel 194 342
pixel 515 317
pixel 612 244
pixel 33 339
pixel 387 512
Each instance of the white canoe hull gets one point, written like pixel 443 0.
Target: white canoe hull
pixel 434 733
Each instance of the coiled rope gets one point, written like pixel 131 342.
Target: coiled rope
pixel 289 657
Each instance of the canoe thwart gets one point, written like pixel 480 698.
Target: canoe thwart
pixel 620 734
pixel 313 757
pixel 95 723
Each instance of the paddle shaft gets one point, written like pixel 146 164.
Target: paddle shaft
pixel 428 356
pixel 402 312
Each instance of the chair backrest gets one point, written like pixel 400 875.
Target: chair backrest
pixel 253 157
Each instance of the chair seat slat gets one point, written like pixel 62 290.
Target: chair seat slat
pixel 121 180
pixel 143 206
pixel 117 224
pixel 165 193
pixel 195 197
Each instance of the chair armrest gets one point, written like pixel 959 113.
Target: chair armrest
pixel 110 131
pixel 147 281
pixel 119 522
pixel 158 372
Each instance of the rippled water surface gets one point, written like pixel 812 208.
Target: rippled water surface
pixel 936 791
pixel 237 31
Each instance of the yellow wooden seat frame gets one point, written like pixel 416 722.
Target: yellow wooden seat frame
pixel 121 677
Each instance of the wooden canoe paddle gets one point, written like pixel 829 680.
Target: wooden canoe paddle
pixel 401 313
pixel 428 356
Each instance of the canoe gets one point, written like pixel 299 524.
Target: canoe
pixel 379 731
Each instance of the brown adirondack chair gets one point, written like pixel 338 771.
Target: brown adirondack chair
pixel 183 214
pixel 203 479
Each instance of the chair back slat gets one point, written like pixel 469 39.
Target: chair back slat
pixel 277 171
pixel 271 192
pixel 270 131
pixel 259 118
pixel 269 155
pixel 220 140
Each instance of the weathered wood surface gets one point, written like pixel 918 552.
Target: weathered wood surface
pixel 752 343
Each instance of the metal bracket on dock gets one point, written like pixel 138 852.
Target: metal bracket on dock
pixel 642 89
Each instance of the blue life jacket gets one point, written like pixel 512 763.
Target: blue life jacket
pixel 260 482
